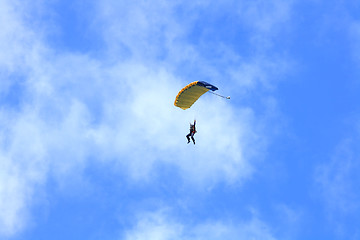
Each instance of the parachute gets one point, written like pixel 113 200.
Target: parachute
pixel 192 92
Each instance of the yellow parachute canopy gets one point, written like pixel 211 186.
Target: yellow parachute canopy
pixel 191 93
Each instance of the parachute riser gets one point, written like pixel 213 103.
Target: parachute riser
pixel 228 97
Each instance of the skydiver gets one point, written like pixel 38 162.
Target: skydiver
pixel 192 132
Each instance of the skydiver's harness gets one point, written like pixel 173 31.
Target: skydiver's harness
pixel 192 129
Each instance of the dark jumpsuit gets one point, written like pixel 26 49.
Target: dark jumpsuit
pixel 192 132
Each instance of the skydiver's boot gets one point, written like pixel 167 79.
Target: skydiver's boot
pixel 193 139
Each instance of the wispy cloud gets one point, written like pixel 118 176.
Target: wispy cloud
pixel 160 225
pixel 338 181
pixel 118 107
pixel 337 178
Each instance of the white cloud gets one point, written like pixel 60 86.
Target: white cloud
pixel 161 226
pixel 118 109
pixel 338 180
pixel 22 149
pixel 155 226
pixel 337 183
pixel 176 35
pixel 130 120
pixel 267 16
pixel 23 167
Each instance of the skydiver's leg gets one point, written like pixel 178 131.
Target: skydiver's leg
pixel 188 137
pixel 192 137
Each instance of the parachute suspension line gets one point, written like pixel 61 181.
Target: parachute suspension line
pixel 228 97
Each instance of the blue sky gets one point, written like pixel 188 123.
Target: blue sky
pixel 92 147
